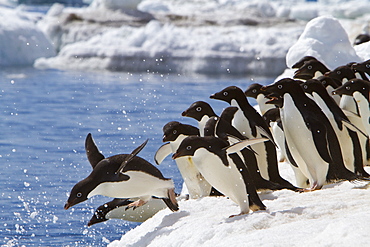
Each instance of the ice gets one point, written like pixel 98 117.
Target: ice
pixel 22 41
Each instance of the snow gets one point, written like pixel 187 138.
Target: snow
pixel 333 216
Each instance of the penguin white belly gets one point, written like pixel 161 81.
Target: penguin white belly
pixel 344 138
pixel 226 179
pixel 241 123
pixel 202 124
pixel 196 184
pixel 301 144
pixel 279 138
pixel 263 107
pixel 364 109
pixel 139 214
pixel 140 184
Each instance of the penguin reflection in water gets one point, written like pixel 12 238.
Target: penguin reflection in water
pixel 222 167
pixel 122 176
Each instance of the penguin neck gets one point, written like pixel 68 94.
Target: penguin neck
pixel 202 124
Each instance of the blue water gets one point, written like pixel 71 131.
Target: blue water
pixel 45 117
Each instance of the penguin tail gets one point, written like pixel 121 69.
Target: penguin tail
pixel 171 201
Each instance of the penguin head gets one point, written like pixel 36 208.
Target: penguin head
pixel 354 85
pixel 198 109
pixel 228 94
pixel 253 90
pixel 361 67
pixel 79 193
pixel 173 129
pixel 101 213
pixel 301 62
pixel 341 73
pixel 275 92
pixel 313 85
pixel 191 144
pixel 328 81
pixel 309 69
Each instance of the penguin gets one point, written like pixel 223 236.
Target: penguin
pixel 310 69
pixel 301 62
pixel 174 133
pixel 201 111
pixel 118 209
pixel 122 176
pixel 226 172
pixel 348 139
pixel 221 127
pixel 310 137
pixel 254 91
pixel 330 85
pixel 359 90
pixel 251 124
pixel 362 68
pixel 361 38
pixel 341 74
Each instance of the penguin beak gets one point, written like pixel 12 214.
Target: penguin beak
pixel 212 96
pixel 175 155
pixel 67 205
pixel 300 74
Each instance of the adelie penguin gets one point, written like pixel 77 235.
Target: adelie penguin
pixel 251 124
pixel 310 69
pixel 344 129
pixel 254 91
pixel 360 91
pixel 122 176
pixel 221 127
pixel 223 169
pixel 174 133
pixel 200 111
pixel 310 137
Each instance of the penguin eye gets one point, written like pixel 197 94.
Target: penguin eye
pixel 323 82
pixel 174 132
pixel 79 194
pixel 367 65
pixel 280 86
pixel 338 72
pixel 309 67
pixel 198 108
pixel 226 93
pixel 305 86
pixel 348 88
pixel 254 91
pixel 188 147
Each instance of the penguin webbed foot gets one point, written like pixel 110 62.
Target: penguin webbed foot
pixel 135 204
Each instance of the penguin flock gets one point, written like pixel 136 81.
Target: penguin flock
pixel 318 122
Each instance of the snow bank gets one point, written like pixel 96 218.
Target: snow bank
pixel 22 41
pixel 333 216
pixel 171 48
pixel 325 39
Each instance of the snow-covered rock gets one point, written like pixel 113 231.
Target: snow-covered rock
pixel 324 38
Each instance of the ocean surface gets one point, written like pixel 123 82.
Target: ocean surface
pixel 45 117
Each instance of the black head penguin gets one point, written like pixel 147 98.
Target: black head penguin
pixel 330 84
pixel 119 209
pixel 362 68
pixel 360 91
pixel 123 176
pixel 251 124
pixel 310 69
pixel 254 91
pixel 200 111
pixel 174 133
pixel 341 74
pixel 361 38
pixel 309 135
pixel 301 62
pixel 214 159
pixel 344 129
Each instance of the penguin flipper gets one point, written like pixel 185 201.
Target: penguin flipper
pixel 353 127
pixel 236 147
pixel 320 138
pixel 131 156
pixel 92 152
pixel 267 134
pixel 162 153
